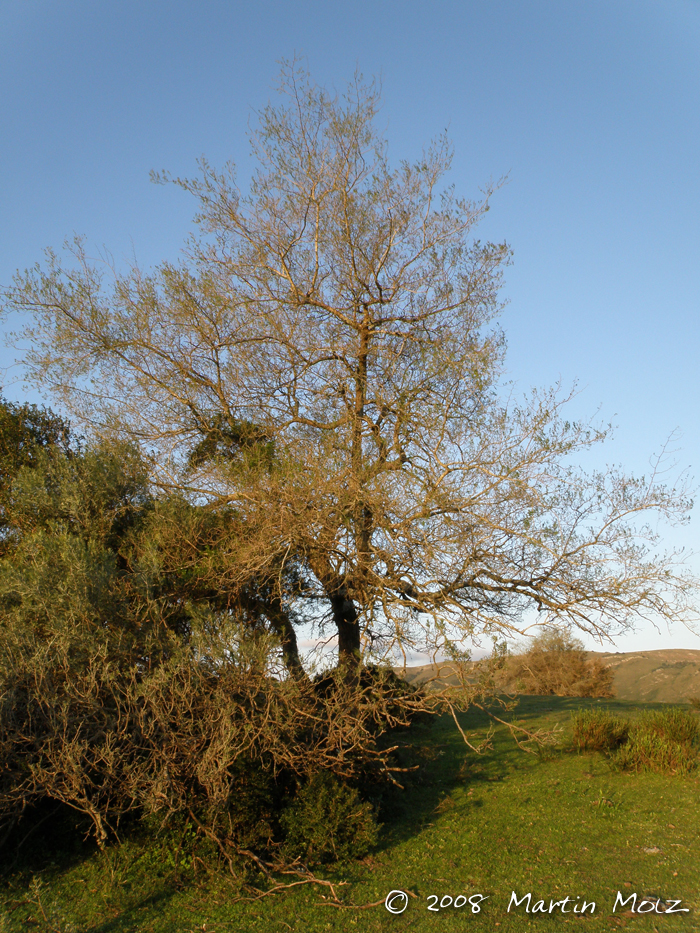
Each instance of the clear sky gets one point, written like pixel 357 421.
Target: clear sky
pixel 591 108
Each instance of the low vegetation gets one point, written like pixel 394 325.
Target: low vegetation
pixel 596 730
pixel 329 822
pixel 661 740
pixel 665 741
pixel 564 825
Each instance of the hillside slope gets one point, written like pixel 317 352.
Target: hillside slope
pixel 670 675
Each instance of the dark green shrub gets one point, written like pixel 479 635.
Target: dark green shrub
pixel 328 822
pixel 598 730
pixel 241 806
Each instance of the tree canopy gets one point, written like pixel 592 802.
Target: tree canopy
pixel 25 430
pixel 324 363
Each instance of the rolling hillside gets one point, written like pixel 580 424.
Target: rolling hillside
pixel 667 676
pixel 671 675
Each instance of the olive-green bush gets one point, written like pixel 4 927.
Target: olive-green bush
pixel 137 681
pixel 328 822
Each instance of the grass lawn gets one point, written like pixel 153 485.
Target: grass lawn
pixel 557 827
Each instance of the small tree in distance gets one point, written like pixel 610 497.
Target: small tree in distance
pixel 557 664
pixel 323 361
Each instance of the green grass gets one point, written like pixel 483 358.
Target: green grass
pixel 557 825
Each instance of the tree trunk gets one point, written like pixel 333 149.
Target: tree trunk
pixel 288 639
pixel 343 608
pixel 345 618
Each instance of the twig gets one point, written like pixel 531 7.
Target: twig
pixel 477 749
pixel 362 906
pixel 540 737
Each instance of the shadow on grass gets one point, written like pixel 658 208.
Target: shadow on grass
pixel 50 834
pixel 132 918
pixel 446 763
pixel 34 853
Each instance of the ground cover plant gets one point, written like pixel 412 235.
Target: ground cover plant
pixel 661 740
pixel 556 825
pixel 597 729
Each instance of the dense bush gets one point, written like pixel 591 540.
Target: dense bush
pixel 131 685
pixel 219 746
pixel 328 822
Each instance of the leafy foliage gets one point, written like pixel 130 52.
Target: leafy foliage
pixel 328 822
pixel 25 430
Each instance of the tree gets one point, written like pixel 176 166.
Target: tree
pixel 323 361
pixel 25 430
pixel 556 663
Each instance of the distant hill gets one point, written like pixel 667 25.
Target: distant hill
pixel 667 676
pixel 670 675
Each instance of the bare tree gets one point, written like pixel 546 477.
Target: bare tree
pixel 323 361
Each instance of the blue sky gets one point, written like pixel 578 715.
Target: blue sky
pixel 591 108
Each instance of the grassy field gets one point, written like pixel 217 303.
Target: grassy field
pixel 565 825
